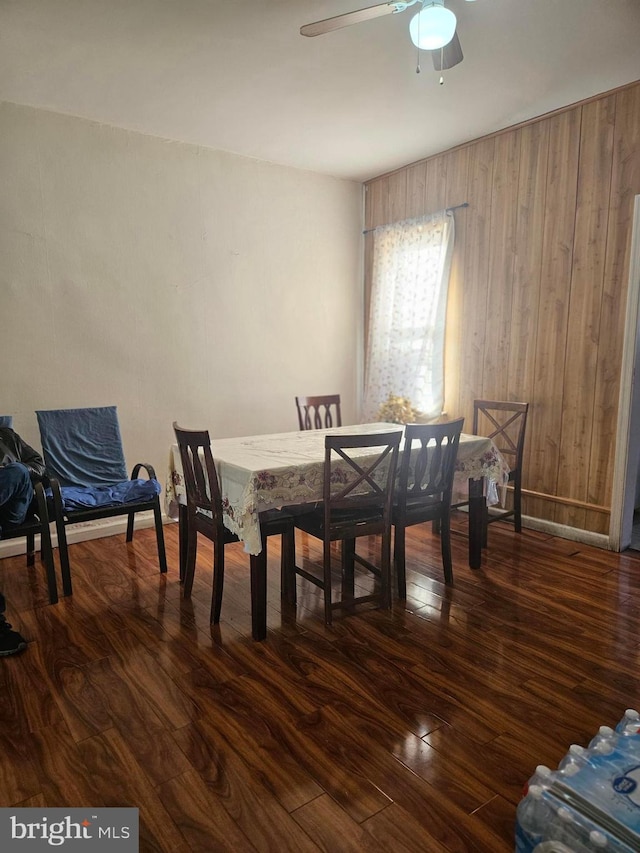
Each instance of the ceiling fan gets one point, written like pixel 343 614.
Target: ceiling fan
pixel 433 28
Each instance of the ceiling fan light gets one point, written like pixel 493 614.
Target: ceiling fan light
pixel 432 27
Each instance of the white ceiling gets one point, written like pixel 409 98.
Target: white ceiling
pixel 238 76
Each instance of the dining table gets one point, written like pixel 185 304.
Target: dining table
pixel 258 473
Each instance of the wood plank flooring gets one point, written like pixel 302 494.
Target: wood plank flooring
pixel 406 731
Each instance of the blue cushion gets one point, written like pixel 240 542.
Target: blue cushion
pixel 125 492
pixel 6 421
pixel 82 447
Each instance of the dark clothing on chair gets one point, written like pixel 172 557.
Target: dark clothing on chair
pixel 20 467
pixel 14 449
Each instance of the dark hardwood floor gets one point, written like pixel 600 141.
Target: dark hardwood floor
pixel 410 731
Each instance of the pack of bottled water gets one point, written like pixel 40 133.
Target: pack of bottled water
pixel 591 802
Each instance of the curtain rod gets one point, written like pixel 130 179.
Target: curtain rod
pixel 445 210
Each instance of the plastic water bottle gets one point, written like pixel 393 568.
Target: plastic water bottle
pixel 628 733
pixel 606 735
pixel 625 742
pixel 532 819
pixel 542 776
pixel 597 840
pixel 575 759
pixel 565 827
pixel 630 722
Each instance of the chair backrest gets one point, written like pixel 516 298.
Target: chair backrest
pixel 82 447
pixel 200 480
pixel 315 412
pixel 426 471
pixel 505 424
pixel 360 472
pixel 6 421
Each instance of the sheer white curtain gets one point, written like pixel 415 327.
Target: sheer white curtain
pixel 405 353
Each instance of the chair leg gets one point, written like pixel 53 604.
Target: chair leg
pixel 46 549
pixel 288 567
pixel 182 539
pixel 385 571
pixel 65 567
pixel 326 570
pixel 218 580
pixel 63 549
pixel 191 536
pixel 485 525
pixel 399 560
pixel 348 565
pixel 517 504
pixel 259 593
pixel 445 544
pixel 130 521
pixel 162 554
pixel 47 558
pixel 157 515
pixel 31 549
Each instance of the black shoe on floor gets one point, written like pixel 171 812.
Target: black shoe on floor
pixel 10 641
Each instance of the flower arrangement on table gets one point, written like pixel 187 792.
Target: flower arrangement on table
pixel 397 410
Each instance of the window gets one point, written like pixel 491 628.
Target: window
pixel 405 354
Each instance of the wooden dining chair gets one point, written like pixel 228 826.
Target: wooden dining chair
pixel 425 484
pixel 504 423
pixel 316 412
pixel 203 514
pixel 359 477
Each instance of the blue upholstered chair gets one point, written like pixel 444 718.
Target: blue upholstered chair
pixel 85 462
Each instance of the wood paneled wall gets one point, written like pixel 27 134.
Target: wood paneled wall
pixel 539 285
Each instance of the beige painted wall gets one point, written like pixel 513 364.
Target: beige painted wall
pixel 174 281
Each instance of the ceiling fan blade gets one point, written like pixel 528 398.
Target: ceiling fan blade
pixel 449 55
pixel 329 24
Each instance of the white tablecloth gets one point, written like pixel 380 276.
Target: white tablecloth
pixel 261 472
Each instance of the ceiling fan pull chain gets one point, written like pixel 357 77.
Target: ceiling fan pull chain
pixel 418 69
pixel 441 81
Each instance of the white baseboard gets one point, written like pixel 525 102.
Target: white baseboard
pixel 586 537
pixel 81 532
pixel 113 526
pixel 574 534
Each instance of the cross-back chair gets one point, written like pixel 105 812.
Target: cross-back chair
pixel 204 514
pixel 425 484
pixel 505 424
pixel 321 412
pixel 359 478
pixel 85 462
